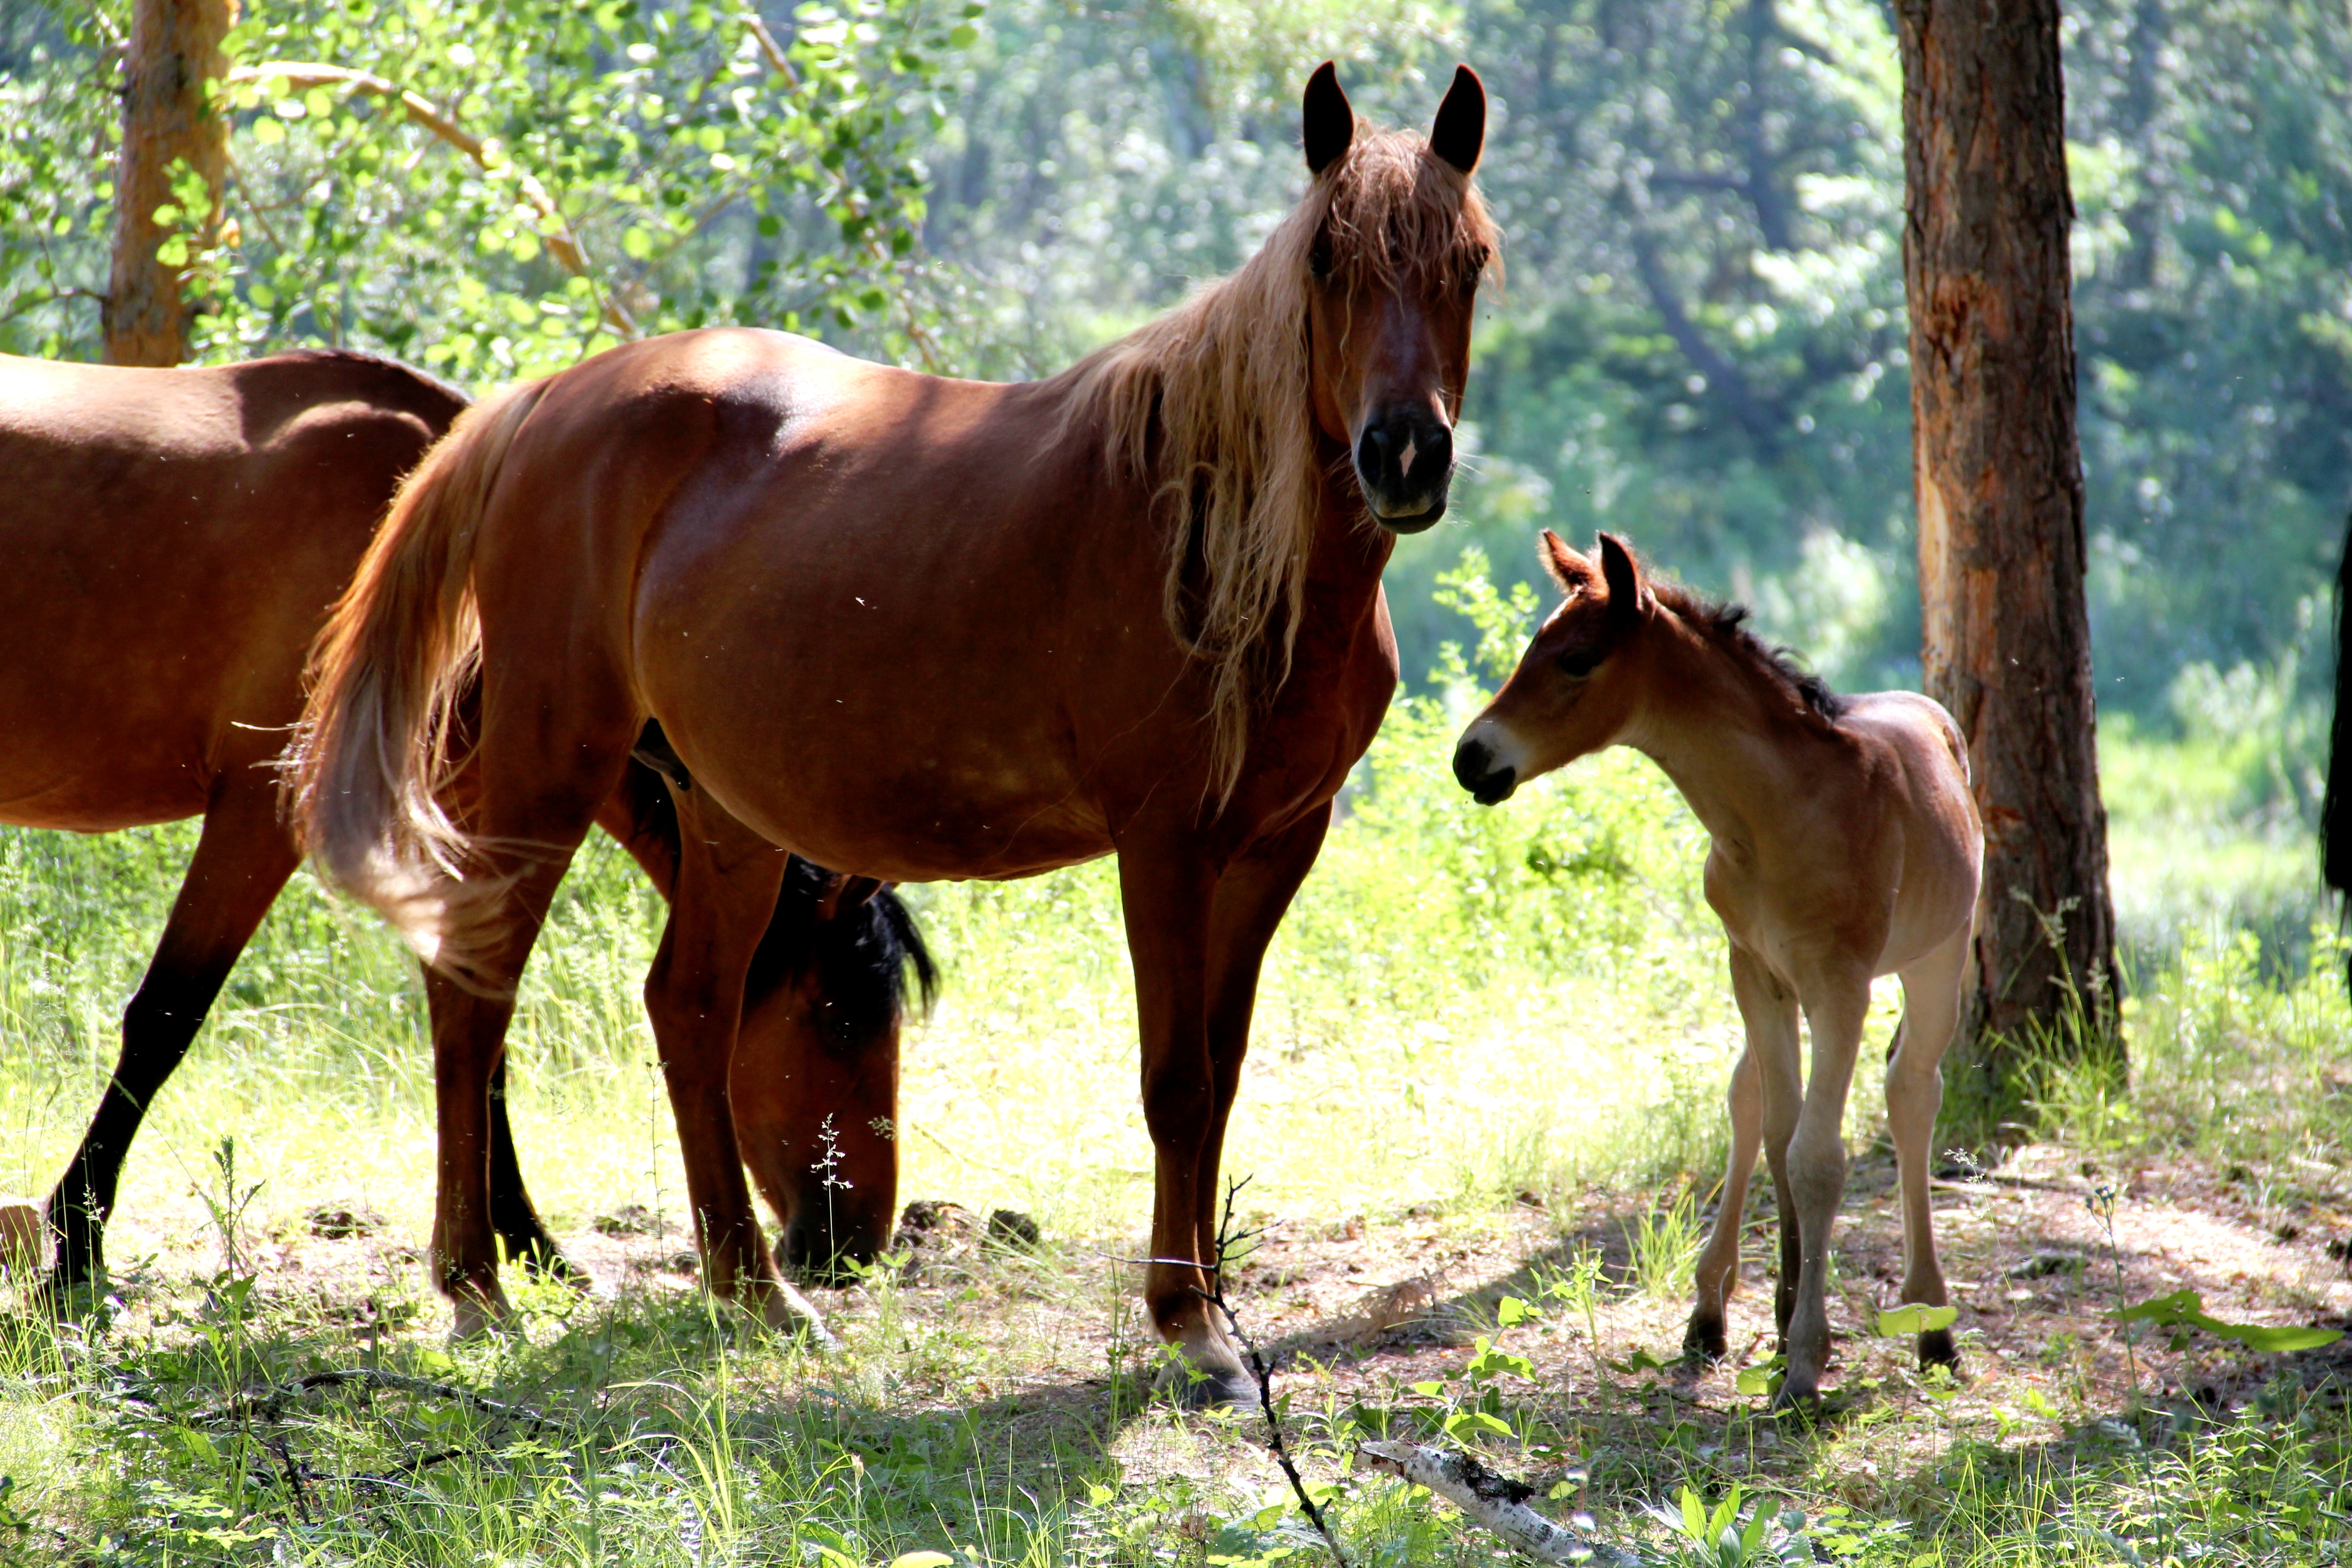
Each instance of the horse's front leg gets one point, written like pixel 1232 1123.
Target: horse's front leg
pixel 1169 894
pixel 1250 901
pixel 1835 1008
pixel 727 879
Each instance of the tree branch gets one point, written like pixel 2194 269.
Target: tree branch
pixel 1496 1502
pixel 562 244
pixel 1723 376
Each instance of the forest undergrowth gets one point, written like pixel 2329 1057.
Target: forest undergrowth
pixel 1481 1127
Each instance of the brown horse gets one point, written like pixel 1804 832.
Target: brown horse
pixel 925 628
pixel 1845 845
pixel 176 538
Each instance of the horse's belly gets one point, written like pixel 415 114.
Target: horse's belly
pixel 921 817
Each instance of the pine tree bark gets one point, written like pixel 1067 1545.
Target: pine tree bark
pixel 1999 478
pixel 176 48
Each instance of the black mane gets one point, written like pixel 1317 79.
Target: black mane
pixel 1726 621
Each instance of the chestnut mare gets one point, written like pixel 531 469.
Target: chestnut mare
pixel 176 538
pixel 925 628
pixel 1844 846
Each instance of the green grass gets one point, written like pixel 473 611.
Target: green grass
pixel 1466 1009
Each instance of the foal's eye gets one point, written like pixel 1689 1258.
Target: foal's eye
pixel 1319 259
pixel 1579 662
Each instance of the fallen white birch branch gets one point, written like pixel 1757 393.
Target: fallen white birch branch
pixel 1497 1502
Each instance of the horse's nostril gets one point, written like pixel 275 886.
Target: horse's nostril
pixel 1372 453
pixel 1438 451
pixel 1471 762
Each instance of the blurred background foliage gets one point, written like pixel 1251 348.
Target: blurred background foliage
pixel 1699 340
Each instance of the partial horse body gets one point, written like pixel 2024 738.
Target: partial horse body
pixel 1845 845
pixel 176 537
pixel 924 628
pixel 2336 800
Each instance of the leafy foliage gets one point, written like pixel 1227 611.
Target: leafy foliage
pixel 495 187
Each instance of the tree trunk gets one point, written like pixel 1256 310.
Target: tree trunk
pixel 1999 478
pixel 176 48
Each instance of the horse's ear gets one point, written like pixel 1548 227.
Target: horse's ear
pixel 1567 568
pixel 1326 120
pixel 1628 596
pixel 1460 127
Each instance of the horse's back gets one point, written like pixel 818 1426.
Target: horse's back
pixel 175 537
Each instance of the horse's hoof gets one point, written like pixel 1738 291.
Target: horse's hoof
pixel 1803 1402
pixel 1703 1342
pixel 480 1313
pixel 1193 1387
pixel 1936 1349
pixel 786 1311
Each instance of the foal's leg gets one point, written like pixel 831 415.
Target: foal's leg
pixel 1718 1265
pixel 1836 1005
pixel 1914 1093
pixel 242 860
pixel 1168 894
pixel 727 879
pixel 1768 1009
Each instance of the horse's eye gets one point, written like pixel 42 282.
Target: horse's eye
pixel 1319 259
pixel 1579 662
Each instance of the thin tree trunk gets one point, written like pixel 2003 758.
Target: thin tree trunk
pixel 2000 486
pixel 176 48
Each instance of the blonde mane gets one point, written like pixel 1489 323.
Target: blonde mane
pixel 1210 404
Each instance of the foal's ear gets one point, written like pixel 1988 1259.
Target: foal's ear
pixel 1460 127
pixel 1628 596
pixel 1570 571
pixel 1326 120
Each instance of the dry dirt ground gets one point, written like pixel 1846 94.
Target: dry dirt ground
pixel 1042 1348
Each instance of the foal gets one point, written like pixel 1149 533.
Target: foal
pixel 1845 846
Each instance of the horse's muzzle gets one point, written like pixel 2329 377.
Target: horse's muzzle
pixel 1475 768
pixel 1404 460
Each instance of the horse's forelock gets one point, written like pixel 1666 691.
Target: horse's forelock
pixel 1212 403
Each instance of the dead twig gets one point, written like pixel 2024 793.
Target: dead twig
pixel 1496 1501
pixel 1228 1239
pixel 270 1403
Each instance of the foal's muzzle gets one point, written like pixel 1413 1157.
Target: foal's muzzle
pixel 1404 460
pixel 1488 784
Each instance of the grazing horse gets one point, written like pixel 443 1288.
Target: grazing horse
pixel 923 628
pixel 176 538
pixel 1844 845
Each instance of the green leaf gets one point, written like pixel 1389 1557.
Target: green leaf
pixel 2186 1308
pixel 1895 1323
pixel 1760 1380
pixel 1511 1311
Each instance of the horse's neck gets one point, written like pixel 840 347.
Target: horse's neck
pixel 1726 740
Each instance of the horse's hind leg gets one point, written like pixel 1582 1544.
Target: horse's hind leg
pixel 1718 1265
pixel 242 860
pixel 1914 1093
pixel 512 1214
pixel 727 881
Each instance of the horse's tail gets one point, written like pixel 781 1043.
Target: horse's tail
pixel 384 730
pixel 2336 802
pixel 854 960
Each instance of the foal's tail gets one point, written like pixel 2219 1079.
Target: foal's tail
pixel 384 730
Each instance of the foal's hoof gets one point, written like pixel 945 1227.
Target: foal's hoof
pixel 1936 1349
pixel 1804 1402
pixel 1703 1342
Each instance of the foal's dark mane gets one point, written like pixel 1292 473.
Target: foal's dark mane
pixel 1726 622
